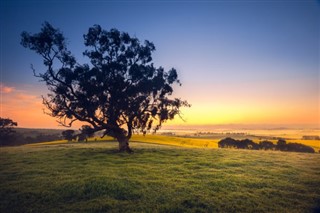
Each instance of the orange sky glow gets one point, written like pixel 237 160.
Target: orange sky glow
pixel 27 109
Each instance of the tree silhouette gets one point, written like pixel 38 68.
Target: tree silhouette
pixel 6 130
pixel 266 145
pixel 68 134
pixel 281 145
pixel 120 92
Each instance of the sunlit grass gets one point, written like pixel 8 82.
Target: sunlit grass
pixel 177 141
pixel 48 143
pixel 192 142
pixel 93 177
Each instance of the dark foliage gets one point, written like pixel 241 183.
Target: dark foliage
pixel 247 144
pixel 82 137
pixel 7 134
pixel 297 147
pixel 6 126
pixel 266 145
pixel 239 144
pixel 282 145
pixel 68 134
pixel 227 143
pixel 119 93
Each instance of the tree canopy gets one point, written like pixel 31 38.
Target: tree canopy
pixel 119 92
pixel 6 130
pixel 68 134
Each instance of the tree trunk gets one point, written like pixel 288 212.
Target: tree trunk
pixel 124 145
pixel 120 135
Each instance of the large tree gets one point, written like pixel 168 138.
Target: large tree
pixel 120 92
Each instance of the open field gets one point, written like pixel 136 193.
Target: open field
pixel 93 177
pixel 208 142
pixel 185 141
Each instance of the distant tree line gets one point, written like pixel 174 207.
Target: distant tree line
pixel 10 136
pixel 310 137
pixel 281 145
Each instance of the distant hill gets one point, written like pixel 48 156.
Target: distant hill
pixel 32 132
pixel 27 136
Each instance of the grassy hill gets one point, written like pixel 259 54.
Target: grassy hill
pixel 93 177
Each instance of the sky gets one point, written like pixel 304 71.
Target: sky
pixel 240 62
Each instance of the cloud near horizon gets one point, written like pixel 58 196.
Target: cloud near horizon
pixel 5 89
pixel 24 108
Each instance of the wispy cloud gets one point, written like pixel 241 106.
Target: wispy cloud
pixel 5 89
pixel 25 107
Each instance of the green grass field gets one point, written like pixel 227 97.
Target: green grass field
pixel 94 177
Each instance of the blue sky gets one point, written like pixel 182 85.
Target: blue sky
pixel 233 57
